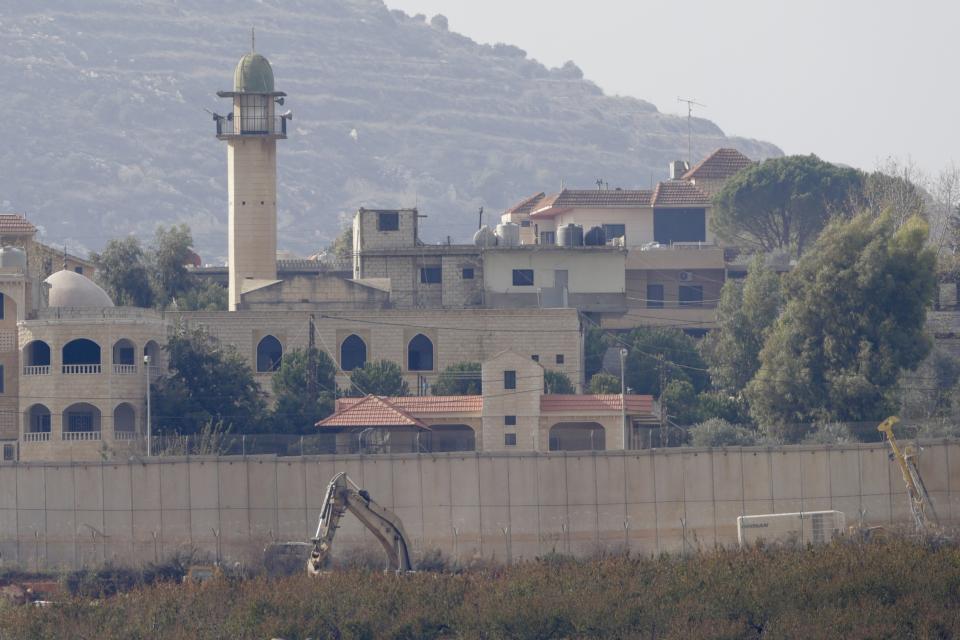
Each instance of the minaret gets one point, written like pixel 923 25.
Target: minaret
pixel 251 130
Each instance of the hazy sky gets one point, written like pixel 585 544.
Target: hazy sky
pixel 852 81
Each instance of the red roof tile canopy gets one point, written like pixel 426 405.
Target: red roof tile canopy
pixel 595 403
pixel 568 199
pixel 527 204
pixel 371 411
pixel 426 404
pixel 679 193
pixel 15 224
pixel 719 165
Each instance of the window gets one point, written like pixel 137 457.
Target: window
pixel 2 300
pixel 548 237
pixel 523 277
pixel 80 421
pixel 524 223
pixel 78 270
pixel 510 421
pixel 269 354
pixel 510 439
pixel 535 357
pixel 679 225
pixel 655 296
pixel 353 353
pixel 420 353
pixel 9 452
pixel 253 113
pixel 2 385
pixel 691 295
pixel 559 358
pixel 388 221
pixel 611 231
pixel 40 422
pixel 431 275
pixel 468 273
pixel 509 379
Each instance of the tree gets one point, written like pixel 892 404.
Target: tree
pixel 303 399
pixel 853 320
pixel 653 348
pixel 682 403
pixel 381 378
pixel 595 344
pixel 746 312
pixel 171 253
pixel 208 383
pixel 783 203
pixel 122 272
pixel 557 382
pixel 460 379
pixel 604 383
pixel 717 432
pixel 203 296
pixel 342 247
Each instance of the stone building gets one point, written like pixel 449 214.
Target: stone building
pixel 511 414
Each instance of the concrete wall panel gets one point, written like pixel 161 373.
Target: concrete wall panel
pixel 581 480
pixel 757 469
pixel 787 476
pixel 728 475
pixel 552 472
pixel 669 477
pixel 641 482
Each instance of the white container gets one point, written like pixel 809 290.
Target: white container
pixel 508 234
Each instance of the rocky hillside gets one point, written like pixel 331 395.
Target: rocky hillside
pixel 105 133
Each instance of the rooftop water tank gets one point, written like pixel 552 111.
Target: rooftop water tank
pixel 508 234
pixel 570 235
pixel 485 237
pixel 12 257
pixel 595 237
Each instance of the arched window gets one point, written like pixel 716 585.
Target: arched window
pixel 420 354
pixel 81 356
pixel 353 353
pixel 37 354
pixel 269 354
pixel 124 352
pixel 38 419
pixel 81 417
pixel 124 419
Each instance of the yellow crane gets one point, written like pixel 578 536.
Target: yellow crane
pixel 924 515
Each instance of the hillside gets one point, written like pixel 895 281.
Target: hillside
pixel 105 130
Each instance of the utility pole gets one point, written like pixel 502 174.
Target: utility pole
pixel 623 396
pixel 690 103
pixel 663 401
pixel 311 359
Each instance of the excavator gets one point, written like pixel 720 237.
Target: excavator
pixel 924 515
pixel 345 495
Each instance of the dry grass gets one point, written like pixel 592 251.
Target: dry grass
pixel 885 589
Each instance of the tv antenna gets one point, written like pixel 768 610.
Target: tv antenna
pixel 690 104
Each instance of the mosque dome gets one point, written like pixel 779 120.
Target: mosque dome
pixel 70 289
pixel 253 75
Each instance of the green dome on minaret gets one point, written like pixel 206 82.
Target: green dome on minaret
pixel 253 75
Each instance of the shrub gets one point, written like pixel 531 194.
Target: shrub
pixel 717 432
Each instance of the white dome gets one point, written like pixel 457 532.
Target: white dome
pixel 70 289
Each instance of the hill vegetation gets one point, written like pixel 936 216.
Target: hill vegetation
pixel 107 131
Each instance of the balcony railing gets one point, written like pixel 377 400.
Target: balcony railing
pixel 261 126
pixel 124 369
pixel 81 368
pixel 38 436
pixel 124 435
pixel 37 370
pixel 81 435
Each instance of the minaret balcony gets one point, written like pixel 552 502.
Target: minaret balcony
pixel 261 127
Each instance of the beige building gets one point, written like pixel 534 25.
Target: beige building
pixel 511 414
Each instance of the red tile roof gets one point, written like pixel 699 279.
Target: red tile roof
pixel 590 199
pixel 15 224
pixel 371 411
pixel 527 205
pixel 678 193
pixel 557 403
pixel 426 404
pixel 719 165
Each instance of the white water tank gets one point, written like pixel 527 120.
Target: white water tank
pixel 508 234
pixel 801 528
pixel 485 237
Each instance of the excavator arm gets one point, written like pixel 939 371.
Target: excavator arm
pixel 344 495
pixel 921 506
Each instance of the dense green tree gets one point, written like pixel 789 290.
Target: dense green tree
pixel 557 382
pixel 651 348
pixel 604 383
pixel 746 312
pixel 381 378
pixel 208 383
pixel 460 379
pixel 853 320
pixel 681 402
pixel 783 203
pixel 122 272
pixel 203 296
pixel 301 399
pixel 595 344
pixel 717 432
pixel 171 253
pixel 342 247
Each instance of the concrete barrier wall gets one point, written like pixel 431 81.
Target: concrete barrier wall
pixel 503 506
